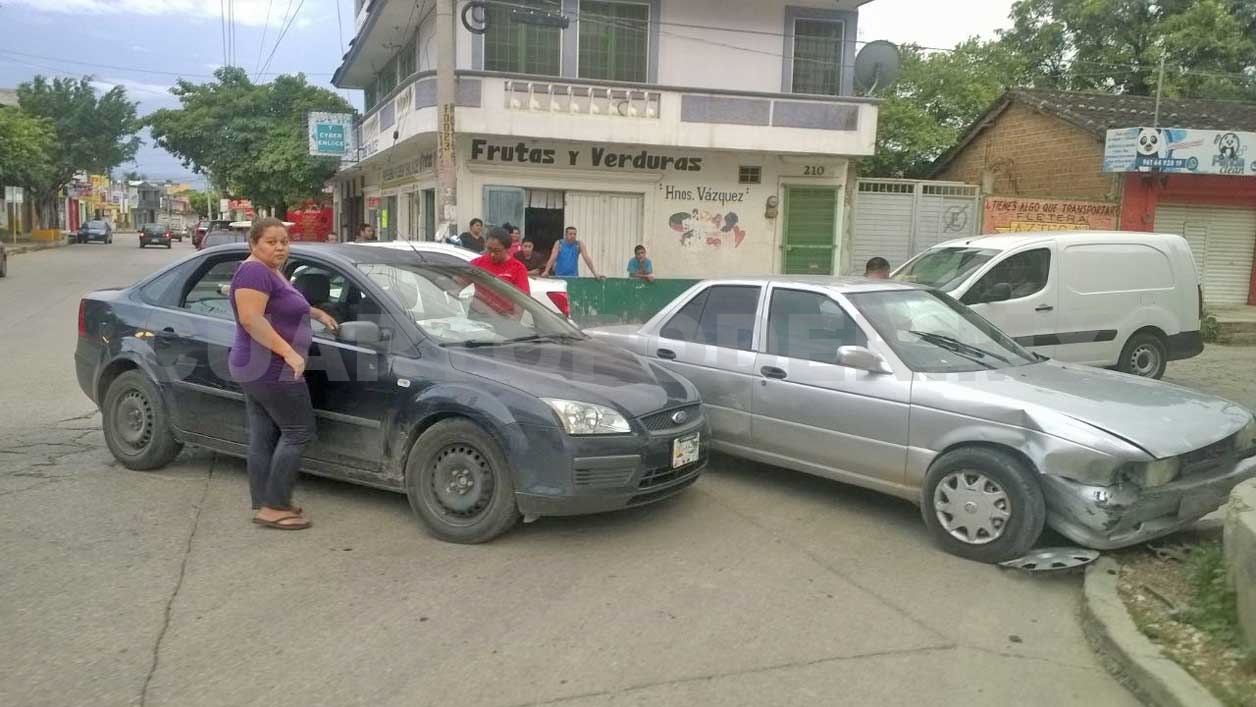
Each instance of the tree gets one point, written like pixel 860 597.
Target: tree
pixel 935 99
pixel 26 143
pixel 199 201
pixel 91 133
pixel 249 138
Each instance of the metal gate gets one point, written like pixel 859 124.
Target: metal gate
pixel 610 225
pixel 1221 239
pixel 897 218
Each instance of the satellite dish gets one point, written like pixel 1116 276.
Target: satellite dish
pixel 877 66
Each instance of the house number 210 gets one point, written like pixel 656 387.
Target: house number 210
pixel 813 171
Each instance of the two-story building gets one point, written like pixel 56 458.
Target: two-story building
pixel 721 134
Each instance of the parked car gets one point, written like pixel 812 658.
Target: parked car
pixel 217 238
pixel 549 291
pixel 443 383
pixel 901 389
pixel 1131 301
pixel 155 234
pixel 95 231
pixel 204 228
pixel 4 262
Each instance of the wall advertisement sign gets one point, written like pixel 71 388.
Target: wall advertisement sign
pixel 331 134
pixel 1180 151
pixel 1016 215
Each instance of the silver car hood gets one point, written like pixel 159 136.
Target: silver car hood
pixel 1162 419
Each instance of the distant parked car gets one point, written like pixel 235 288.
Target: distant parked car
pixel 903 390
pixel 204 228
pixel 154 234
pixel 215 238
pixel 95 231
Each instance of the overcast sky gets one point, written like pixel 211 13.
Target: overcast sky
pixel 146 45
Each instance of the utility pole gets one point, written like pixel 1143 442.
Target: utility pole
pixel 1155 121
pixel 447 135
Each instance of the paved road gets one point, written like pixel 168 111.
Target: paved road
pixel 756 587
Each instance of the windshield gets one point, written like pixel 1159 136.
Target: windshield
pixel 95 226
pixel 460 305
pixel 944 268
pixel 933 333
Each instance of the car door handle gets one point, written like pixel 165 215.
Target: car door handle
pixel 774 372
pixel 667 354
pixel 1043 308
pixel 164 338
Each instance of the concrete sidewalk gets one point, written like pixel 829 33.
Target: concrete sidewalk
pixel 31 246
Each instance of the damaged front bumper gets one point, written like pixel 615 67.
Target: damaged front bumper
pixel 1109 517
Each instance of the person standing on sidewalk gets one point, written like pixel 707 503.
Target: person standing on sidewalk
pixel 565 257
pixel 267 360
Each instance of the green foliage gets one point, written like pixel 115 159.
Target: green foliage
pixel 199 202
pixel 1209 328
pixel 91 133
pixel 1109 46
pixel 249 138
pixel 1214 609
pixel 26 145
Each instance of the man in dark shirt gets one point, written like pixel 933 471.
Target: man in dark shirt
pixel 473 240
pixel 532 260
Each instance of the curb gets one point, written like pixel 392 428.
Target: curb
pixel 1129 655
pixel 32 247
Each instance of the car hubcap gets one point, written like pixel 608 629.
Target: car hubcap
pixel 133 420
pixel 462 481
pixel 973 508
pixel 1145 360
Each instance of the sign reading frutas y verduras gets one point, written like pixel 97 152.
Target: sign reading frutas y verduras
pixel 1180 151
pixel 1013 215
pixel 331 134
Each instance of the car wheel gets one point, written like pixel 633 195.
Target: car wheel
pixel 141 244
pixel 983 504
pixel 4 267
pixel 459 483
pixel 136 425
pixel 1144 355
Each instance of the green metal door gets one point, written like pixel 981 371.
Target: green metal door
pixel 810 230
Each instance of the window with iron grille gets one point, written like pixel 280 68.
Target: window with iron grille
pixel 749 175
pixel 388 77
pixel 818 56
pixel 407 61
pixel 519 47
pixel 614 41
pixel 371 94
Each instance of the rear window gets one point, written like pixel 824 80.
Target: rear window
pixel 1116 267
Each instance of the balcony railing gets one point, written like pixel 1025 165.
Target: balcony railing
pixel 575 99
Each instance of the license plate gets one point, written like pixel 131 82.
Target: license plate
pixel 686 450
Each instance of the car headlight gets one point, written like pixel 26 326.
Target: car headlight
pixel 1247 436
pixel 1159 472
pixel 588 419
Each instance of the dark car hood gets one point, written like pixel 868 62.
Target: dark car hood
pixel 1164 419
pixel 585 371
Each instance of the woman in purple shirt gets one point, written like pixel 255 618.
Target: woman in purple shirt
pixel 272 342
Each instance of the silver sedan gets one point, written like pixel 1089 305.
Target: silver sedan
pixel 901 389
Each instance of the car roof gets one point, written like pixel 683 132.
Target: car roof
pixel 842 284
pixel 348 253
pixel 1009 241
pixel 425 246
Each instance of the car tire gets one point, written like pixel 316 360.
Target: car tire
pixel 1145 355
pixel 460 484
pixel 141 244
pixel 1014 506
pixel 4 267
pixel 136 424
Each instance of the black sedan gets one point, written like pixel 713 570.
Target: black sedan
pixel 155 234
pixel 443 383
pixel 95 231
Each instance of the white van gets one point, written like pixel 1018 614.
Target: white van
pixel 1130 301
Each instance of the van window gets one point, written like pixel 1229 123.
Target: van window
pixel 945 268
pixel 1026 273
pixel 1116 267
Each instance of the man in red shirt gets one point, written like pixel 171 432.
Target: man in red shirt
pixel 497 260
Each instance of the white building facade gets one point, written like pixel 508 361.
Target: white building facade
pixel 720 134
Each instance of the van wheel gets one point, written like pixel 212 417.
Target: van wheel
pixel 1144 355
pixel 460 484
pixel 983 504
pixel 136 425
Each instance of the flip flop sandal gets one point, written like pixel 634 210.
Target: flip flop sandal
pixel 279 523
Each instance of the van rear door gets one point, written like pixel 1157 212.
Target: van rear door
pixel 1020 293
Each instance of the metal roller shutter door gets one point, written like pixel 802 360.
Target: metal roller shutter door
pixel 610 226
pixel 883 224
pixel 1222 241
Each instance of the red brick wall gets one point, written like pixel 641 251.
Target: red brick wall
pixel 1027 153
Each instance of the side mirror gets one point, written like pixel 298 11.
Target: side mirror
pixel 360 334
pixel 862 359
pixel 1000 292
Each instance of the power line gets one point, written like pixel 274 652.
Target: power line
pixel 222 21
pixel 261 47
pixel 134 69
pixel 282 34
